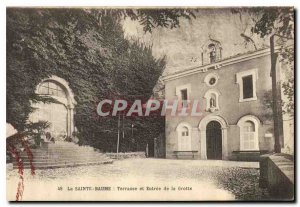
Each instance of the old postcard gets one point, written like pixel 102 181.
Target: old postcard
pixel 150 104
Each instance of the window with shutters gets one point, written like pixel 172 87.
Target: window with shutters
pixel 249 133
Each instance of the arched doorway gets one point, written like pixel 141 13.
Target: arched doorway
pixel 214 140
pixel 213 126
pixel 59 114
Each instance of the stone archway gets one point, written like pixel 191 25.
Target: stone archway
pixel 203 135
pixel 60 114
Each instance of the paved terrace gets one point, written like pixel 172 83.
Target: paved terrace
pixel 193 179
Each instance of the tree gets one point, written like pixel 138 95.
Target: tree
pixel 278 22
pixel 87 48
pixel 148 18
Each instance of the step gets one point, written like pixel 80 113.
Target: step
pixel 67 146
pixel 62 148
pixel 61 152
pixel 63 158
pixel 62 161
pixel 62 155
pixel 86 159
pixel 46 166
pixel 69 157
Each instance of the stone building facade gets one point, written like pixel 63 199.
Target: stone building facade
pixel 231 94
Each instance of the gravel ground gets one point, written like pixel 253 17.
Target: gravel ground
pixel 225 179
pixel 243 183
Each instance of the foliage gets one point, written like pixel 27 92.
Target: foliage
pixel 149 18
pixel 289 90
pixel 92 55
pixel 270 20
pixel 278 21
pixel 268 104
pixel 35 130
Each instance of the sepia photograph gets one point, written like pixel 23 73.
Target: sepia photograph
pixel 150 104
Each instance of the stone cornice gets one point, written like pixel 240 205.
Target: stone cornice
pixel 218 65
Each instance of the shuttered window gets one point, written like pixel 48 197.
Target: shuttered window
pixel 249 139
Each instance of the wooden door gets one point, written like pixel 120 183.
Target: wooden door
pixel 214 140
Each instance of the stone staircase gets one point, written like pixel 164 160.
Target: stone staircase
pixel 62 154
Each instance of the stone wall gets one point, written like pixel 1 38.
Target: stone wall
pixel 277 174
pixel 126 155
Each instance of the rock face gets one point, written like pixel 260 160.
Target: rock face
pixel 61 154
pixel 183 45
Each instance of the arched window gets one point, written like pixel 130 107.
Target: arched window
pixel 184 137
pixel 249 133
pixel 52 89
pixel 185 132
